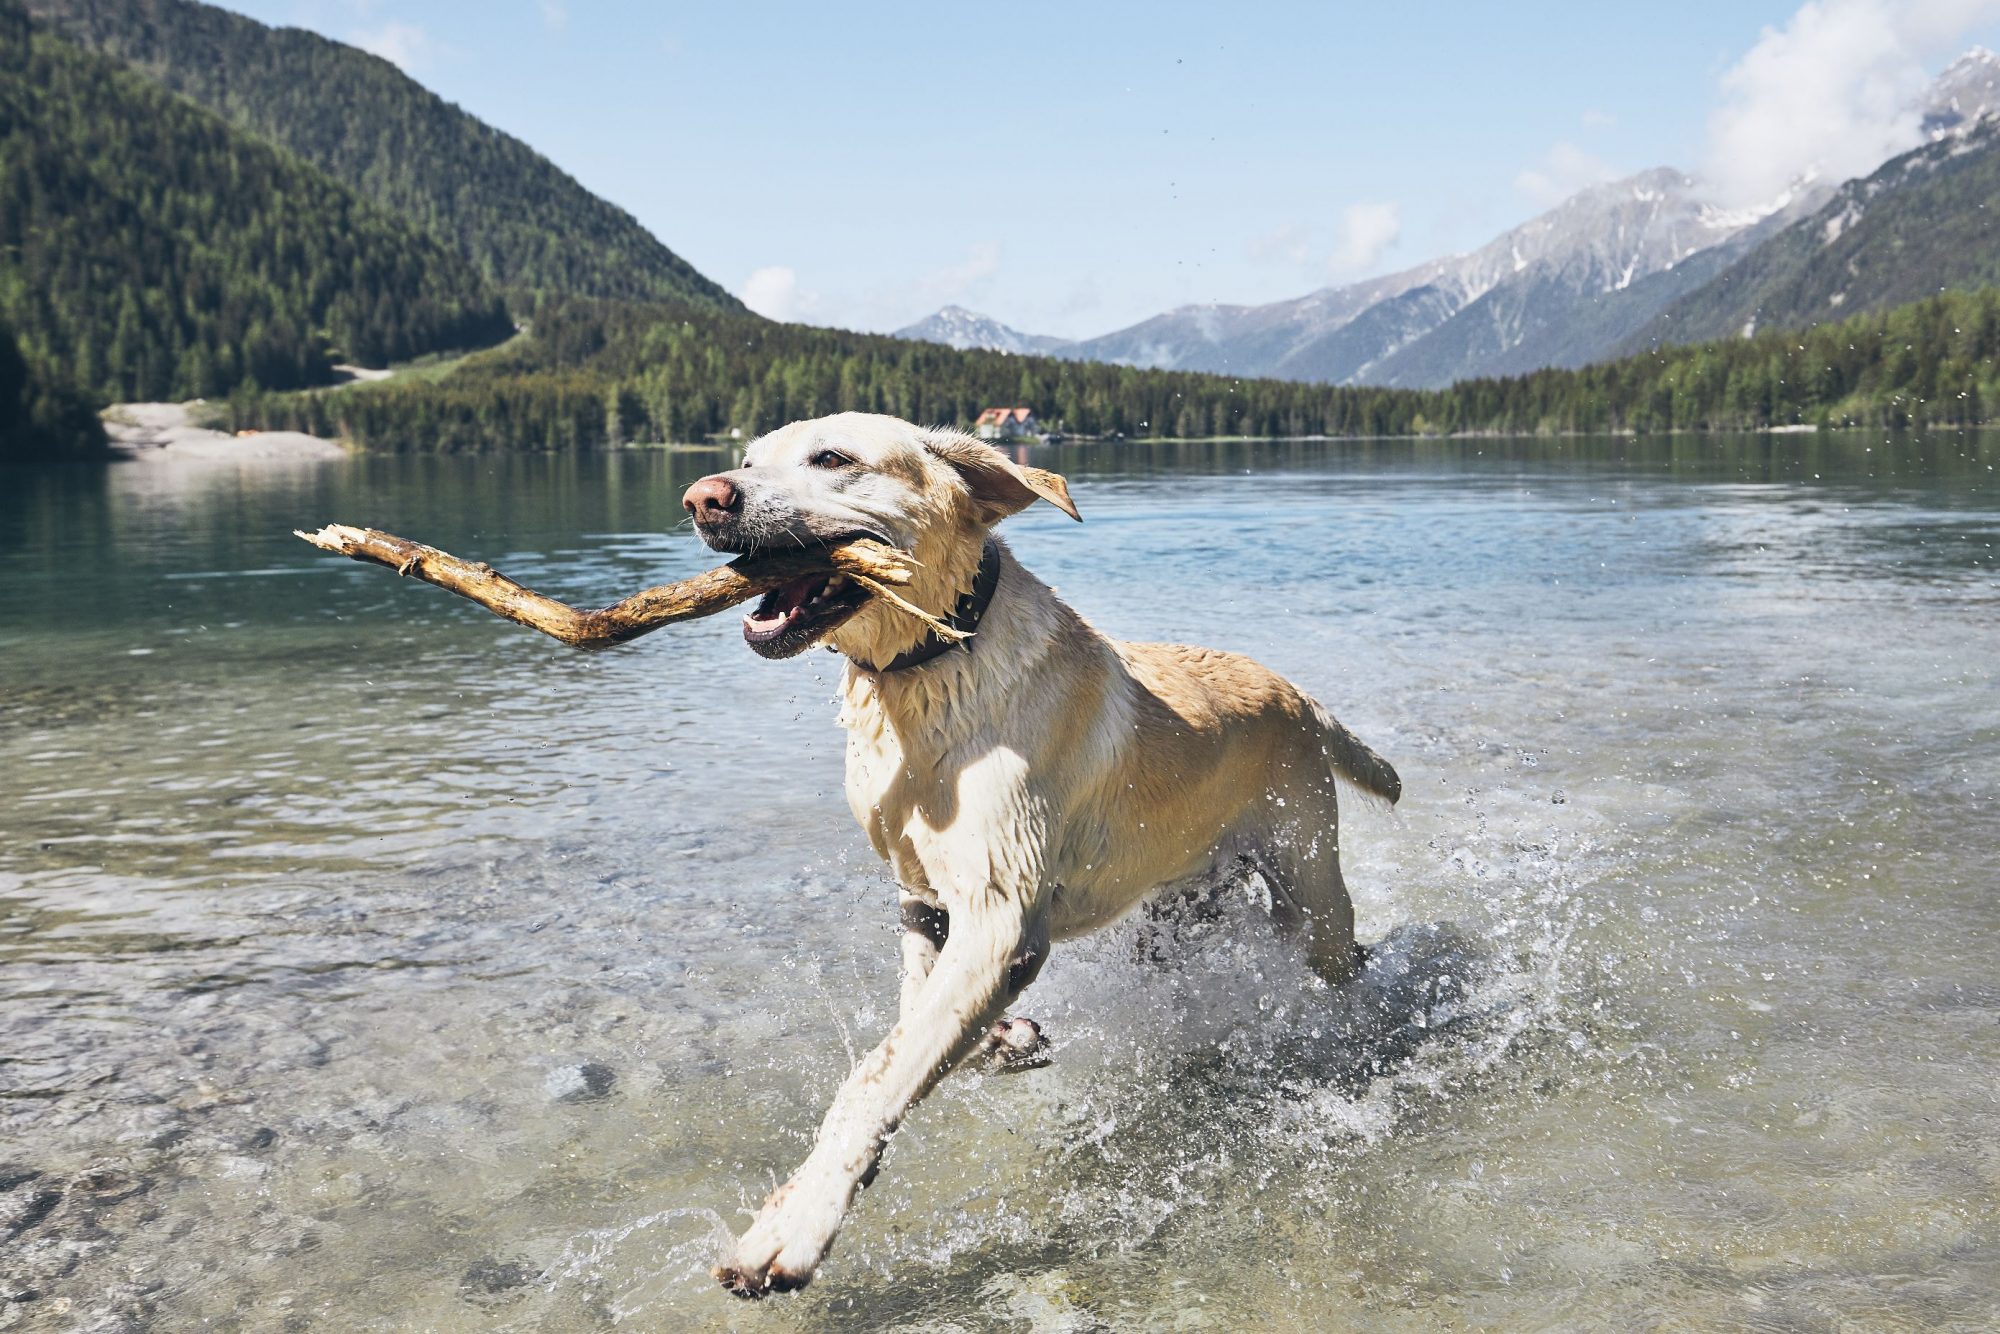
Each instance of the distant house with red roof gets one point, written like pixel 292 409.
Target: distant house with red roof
pixel 1004 423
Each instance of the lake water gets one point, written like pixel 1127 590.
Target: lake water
pixel 317 888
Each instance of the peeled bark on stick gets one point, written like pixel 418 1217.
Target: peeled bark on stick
pixel 875 566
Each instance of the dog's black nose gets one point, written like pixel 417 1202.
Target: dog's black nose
pixel 712 497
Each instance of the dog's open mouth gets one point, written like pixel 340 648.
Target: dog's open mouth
pixel 787 620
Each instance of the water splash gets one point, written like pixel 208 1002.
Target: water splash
pixel 638 1283
pixel 1189 1077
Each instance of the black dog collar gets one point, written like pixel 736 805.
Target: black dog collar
pixel 964 618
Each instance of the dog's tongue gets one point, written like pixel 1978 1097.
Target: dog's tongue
pixel 795 594
pixel 786 600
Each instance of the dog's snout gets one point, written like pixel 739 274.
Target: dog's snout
pixel 712 497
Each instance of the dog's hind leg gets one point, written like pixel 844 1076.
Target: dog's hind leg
pixel 1170 914
pixel 1300 860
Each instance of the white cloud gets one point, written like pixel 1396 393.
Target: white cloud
pixel 942 286
pixel 1082 297
pixel 404 45
pixel 1363 233
pixel 1288 244
pixel 1563 170
pixel 774 293
pixel 958 282
pixel 1366 233
pixel 555 13
pixel 1830 94
pixel 1594 119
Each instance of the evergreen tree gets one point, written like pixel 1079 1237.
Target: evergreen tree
pixel 525 225
pixel 678 373
pixel 41 418
pixel 148 250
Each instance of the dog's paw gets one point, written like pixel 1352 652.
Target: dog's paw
pixel 752 1284
pixel 784 1246
pixel 759 1269
pixel 1012 1045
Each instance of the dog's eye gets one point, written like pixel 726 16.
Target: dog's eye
pixel 828 458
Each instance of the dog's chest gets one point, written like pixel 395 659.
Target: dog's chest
pixel 873 760
pixel 881 784
pixel 929 800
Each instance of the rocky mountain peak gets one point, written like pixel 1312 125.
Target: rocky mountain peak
pixel 1968 89
pixel 955 326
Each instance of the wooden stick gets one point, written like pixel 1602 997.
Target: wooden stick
pixel 877 567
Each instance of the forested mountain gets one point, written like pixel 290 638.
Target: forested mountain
pixel 149 250
pixel 1520 292
pixel 1561 289
pixel 1927 221
pixel 1566 313
pixel 601 373
pixel 151 247
pixel 528 226
pixel 1585 281
pixel 1559 312
pixel 1544 320
pixel 596 373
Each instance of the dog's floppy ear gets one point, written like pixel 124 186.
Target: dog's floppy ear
pixel 1000 486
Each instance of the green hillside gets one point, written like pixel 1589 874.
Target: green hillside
pixel 595 374
pixel 527 225
pixel 1926 222
pixel 148 250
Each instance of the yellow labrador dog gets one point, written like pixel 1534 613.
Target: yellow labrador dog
pixel 1029 783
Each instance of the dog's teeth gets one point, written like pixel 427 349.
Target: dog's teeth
pixel 826 590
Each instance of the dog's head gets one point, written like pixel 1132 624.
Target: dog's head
pixel 934 493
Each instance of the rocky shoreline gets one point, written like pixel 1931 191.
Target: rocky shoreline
pixel 167 433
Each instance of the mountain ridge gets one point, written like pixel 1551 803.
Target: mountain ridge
pixel 1919 224
pixel 126 272
pixel 530 227
pixel 955 326
pixel 1575 284
pixel 1604 238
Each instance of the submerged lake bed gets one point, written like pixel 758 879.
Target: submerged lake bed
pixel 369 963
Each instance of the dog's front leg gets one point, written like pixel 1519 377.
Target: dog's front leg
pixel 1009 1044
pixel 925 929
pixel 974 977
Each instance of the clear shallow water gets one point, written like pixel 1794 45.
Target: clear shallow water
pixel 313 885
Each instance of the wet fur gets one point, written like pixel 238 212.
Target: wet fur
pixel 1039 786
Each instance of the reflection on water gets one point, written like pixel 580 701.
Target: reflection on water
pixel 318 890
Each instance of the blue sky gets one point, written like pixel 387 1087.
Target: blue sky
pixel 1073 168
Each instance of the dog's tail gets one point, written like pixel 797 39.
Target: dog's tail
pixel 1353 760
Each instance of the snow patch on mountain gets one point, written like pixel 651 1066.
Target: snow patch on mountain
pixel 1968 90
pixel 1566 286
pixel 955 326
